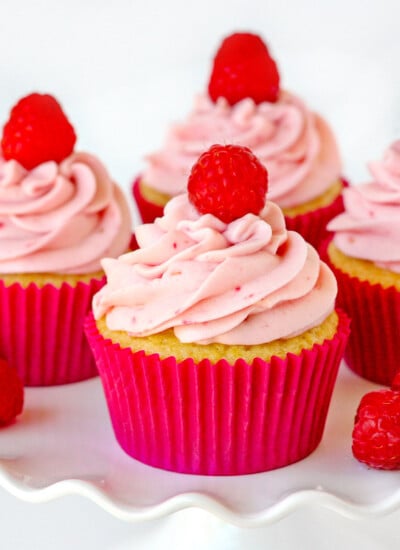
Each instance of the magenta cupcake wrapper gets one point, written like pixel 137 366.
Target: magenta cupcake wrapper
pixel 148 210
pixel 373 350
pixel 311 225
pixel 218 419
pixel 42 331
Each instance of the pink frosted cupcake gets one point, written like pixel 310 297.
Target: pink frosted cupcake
pixel 60 213
pixel 217 340
pixel 245 105
pixel 365 256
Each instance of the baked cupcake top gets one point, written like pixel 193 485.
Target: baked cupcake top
pixel 369 228
pixel 60 211
pixel 234 279
pixel 296 145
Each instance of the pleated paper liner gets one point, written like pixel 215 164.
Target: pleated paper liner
pixel 42 333
pixel 148 211
pixel 218 419
pixel 311 225
pixel 373 350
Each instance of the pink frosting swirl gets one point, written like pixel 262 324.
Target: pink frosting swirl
pixel 247 282
pixel 369 228
pixel 296 145
pixel 60 218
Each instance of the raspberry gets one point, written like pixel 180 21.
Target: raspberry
pixel 228 181
pixel 243 68
pixel 37 131
pixel 11 393
pixel 376 433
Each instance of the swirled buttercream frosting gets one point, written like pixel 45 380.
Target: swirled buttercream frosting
pixel 369 228
pixel 247 282
pixel 60 218
pixel 296 145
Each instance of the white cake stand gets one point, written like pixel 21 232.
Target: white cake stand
pixel 63 444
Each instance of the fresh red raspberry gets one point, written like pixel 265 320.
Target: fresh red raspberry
pixel 37 131
pixel 243 68
pixel 228 181
pixel 11 393
pixel 376 433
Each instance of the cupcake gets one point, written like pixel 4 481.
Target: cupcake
pixel 60 213
pixel 217 340
pixel 365 256
pixel 245 105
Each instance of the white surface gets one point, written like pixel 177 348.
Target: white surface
pixel 74 523
pixel 123 70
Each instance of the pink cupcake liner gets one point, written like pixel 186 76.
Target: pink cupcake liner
pixel 148 210
pixel 42 332
pixel 311 225
pixel 218 419
pixel 373 349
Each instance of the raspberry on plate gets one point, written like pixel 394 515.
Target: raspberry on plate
pixel 244 68
pixel 228 181
pixel 376 433
pixel 11 393
pixel 37 131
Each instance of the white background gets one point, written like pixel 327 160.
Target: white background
pixel 124 69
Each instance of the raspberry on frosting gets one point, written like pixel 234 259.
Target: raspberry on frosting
pixel 228 181
pixel 37 131
pixel 60 210
pixel 244 68
pixel 220 267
